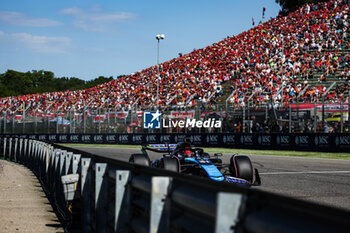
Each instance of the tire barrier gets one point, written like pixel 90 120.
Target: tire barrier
pixel 115 196
pixel 334 142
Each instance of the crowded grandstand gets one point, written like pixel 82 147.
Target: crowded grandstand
pixel 302 57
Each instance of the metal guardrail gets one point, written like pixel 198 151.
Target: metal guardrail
pixel 116 196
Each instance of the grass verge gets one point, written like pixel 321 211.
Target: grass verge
pixel 323 155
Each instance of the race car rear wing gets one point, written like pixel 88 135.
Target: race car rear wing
pixel 159 148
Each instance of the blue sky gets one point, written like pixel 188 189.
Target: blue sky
pixel 86 39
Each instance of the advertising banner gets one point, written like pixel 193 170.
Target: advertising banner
pixel 182 114
pixel 303 142
pixel 327 107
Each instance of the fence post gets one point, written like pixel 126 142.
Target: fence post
pixel 10 148
pixel 20 151
pixel 39 159
pixel 62 163
pixel 48 156
pixel 69 158
pixel 13 121
pixel 315 118
pixel 76 161
pixel 15 150
pixel 70 120
pixel 51 168
pixel 35 154
pixel 43 160
pixel 56 174
pixel 248 116
pixel 290 119
pixel 86 194
pixel 25 150
pixel 32 154
pixel 5 142
pixel 122 201
pixel 227 212
pixel 348 111
pixel 99 120
pixel 84 120
pixel 5 121
pixel 243 122
pixel 115 119
pixel 24 118
pixel 160 205
pixel 29 153
pixel 323 113
pixel 35 122
pixel 57 131
pixel 101 197
pixel 341 116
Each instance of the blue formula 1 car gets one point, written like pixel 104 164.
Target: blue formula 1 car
pixel 184 158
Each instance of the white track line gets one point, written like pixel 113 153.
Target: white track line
pixel 305 172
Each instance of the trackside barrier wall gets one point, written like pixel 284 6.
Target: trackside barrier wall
pixel 115 196
pixel 329 142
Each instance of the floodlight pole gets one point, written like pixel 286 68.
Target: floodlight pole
pixel 158 75
pixel 158 37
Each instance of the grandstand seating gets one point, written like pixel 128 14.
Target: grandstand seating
pixel 308 50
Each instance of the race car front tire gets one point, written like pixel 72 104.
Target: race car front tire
pixel 170 164
pixel 241 167
pixel 140 159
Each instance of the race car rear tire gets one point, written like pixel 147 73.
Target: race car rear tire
pixel 170 164
pixel 241 167
pixel 140 159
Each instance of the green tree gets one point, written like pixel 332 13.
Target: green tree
pixel 14 83
pixel 98 81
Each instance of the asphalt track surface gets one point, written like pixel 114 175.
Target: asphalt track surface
pixel 325 181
